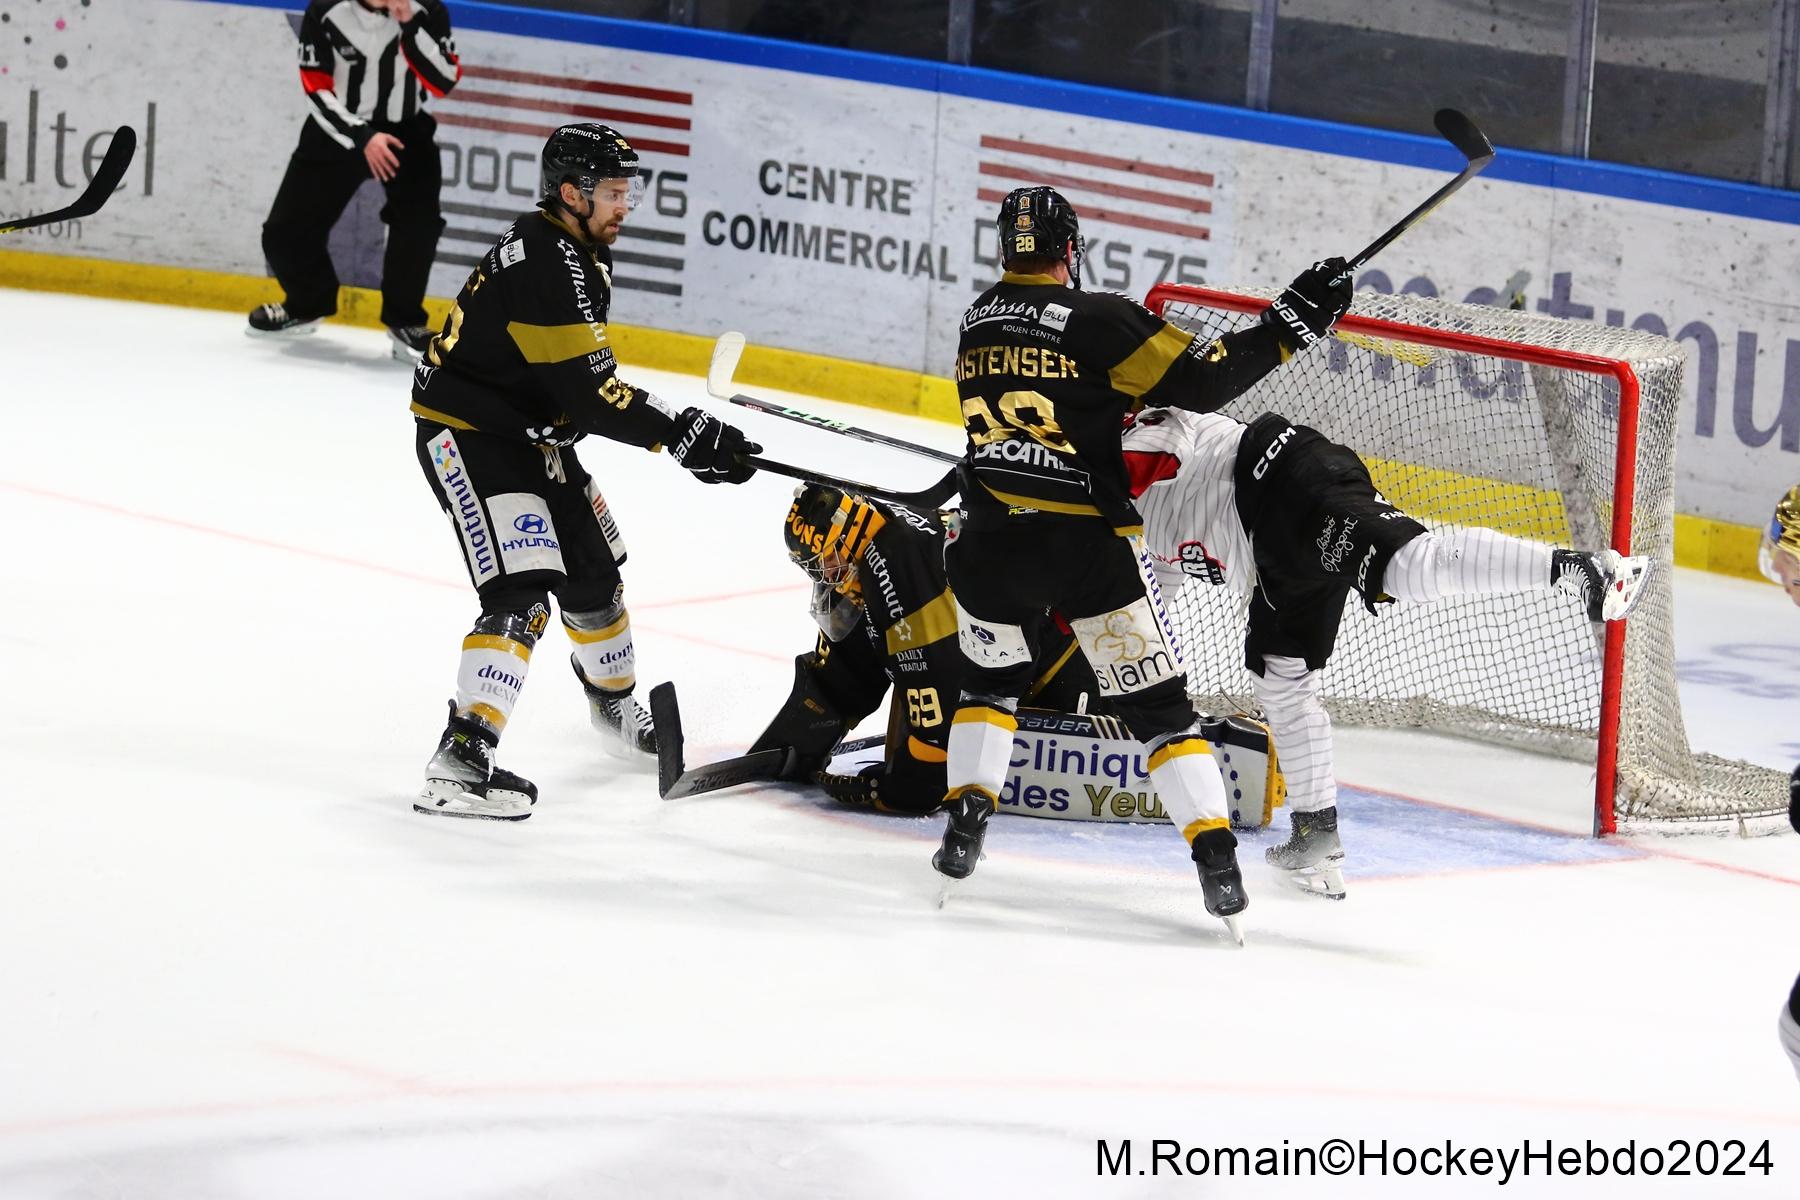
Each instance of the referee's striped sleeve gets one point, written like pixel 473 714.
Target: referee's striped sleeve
pixel 317 63
pixel 429 51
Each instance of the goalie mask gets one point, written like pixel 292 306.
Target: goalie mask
pixel 1779 555
pixel 826 533
pixel 1036 222
pixel 584 154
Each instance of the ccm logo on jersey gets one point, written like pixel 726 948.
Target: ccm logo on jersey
pixel 1275 448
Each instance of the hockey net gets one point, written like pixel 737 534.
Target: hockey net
pixel 1560 431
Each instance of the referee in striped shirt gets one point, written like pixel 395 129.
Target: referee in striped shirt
pixel 366 66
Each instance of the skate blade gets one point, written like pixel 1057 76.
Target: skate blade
pixel 468 813
pixel 1235 926
pixel 296 331
pixel 449 801
pixel 1325 882
pixel 944 891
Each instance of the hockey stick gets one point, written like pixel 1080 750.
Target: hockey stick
pixel 932 497
pixel 1472 144
pixel 106 181
pixel 730 348
pixel 674 779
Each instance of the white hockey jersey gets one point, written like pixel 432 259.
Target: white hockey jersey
pixel 1181 466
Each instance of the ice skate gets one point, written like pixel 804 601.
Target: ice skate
pixel 1312 857
pixel 274 320
pixel 462 781
pixel 1221 883
pixel 407 342
pixel 1608 583
pixel 624 725
pixel 964 831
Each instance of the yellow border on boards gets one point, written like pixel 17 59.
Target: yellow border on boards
pixel 1720 546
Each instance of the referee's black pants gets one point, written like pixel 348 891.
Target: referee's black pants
pixel 321 178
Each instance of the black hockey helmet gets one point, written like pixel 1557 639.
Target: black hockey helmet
pixel 1037 222
pixel 583 154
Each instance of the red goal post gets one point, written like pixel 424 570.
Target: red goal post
pixel 1561 431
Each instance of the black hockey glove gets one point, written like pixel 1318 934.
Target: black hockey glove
pixel 1306 310
pixel 710 448
pixel 553 437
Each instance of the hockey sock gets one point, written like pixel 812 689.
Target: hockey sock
pixel 1187 780
pixel 981 736
pixel 495 658
pixel 1465 562
pixel 603 647
pixel 1300 728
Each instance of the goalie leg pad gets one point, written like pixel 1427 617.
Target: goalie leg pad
pixel 1254 784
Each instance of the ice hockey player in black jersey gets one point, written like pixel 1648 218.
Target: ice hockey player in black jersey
pixel 1046 374
pixel 522 369
pixel 1292 519
pixel 886 618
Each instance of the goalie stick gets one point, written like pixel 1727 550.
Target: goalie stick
pixel 99 190
pixel 675 779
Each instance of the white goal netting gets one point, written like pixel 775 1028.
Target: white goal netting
pixel 1468 415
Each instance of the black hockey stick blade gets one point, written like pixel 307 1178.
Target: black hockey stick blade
pixel 674 780
pixel 1472 144
pixel 831 425
pixel 105 182
pixel 932 497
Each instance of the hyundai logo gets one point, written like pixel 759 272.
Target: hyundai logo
pixel 530 523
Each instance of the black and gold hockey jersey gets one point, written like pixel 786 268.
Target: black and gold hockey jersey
pixel 906 640
pixel 1046 375
pixel 526 346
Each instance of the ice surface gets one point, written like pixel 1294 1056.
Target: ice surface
pixel 234 963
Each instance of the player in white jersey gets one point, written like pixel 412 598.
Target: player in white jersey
pixel 1281 513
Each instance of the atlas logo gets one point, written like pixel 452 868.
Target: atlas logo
pixel 984 636
pixel 1274 449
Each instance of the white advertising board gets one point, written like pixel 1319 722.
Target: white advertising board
pixel 839 216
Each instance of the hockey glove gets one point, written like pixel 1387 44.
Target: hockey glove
pixel 710 448
pixel 1306 310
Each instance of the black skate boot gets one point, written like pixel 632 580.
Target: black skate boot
pixel 1312 856
pixel 274 320
pixel 625 726
pixel 462 781
pixel 964 832
pixel 408 342
pixel 1609 584
pixel 1221 883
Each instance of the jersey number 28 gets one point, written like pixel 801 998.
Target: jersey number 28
pixel 1030 412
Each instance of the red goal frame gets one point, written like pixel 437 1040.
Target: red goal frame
pixel 1624 477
